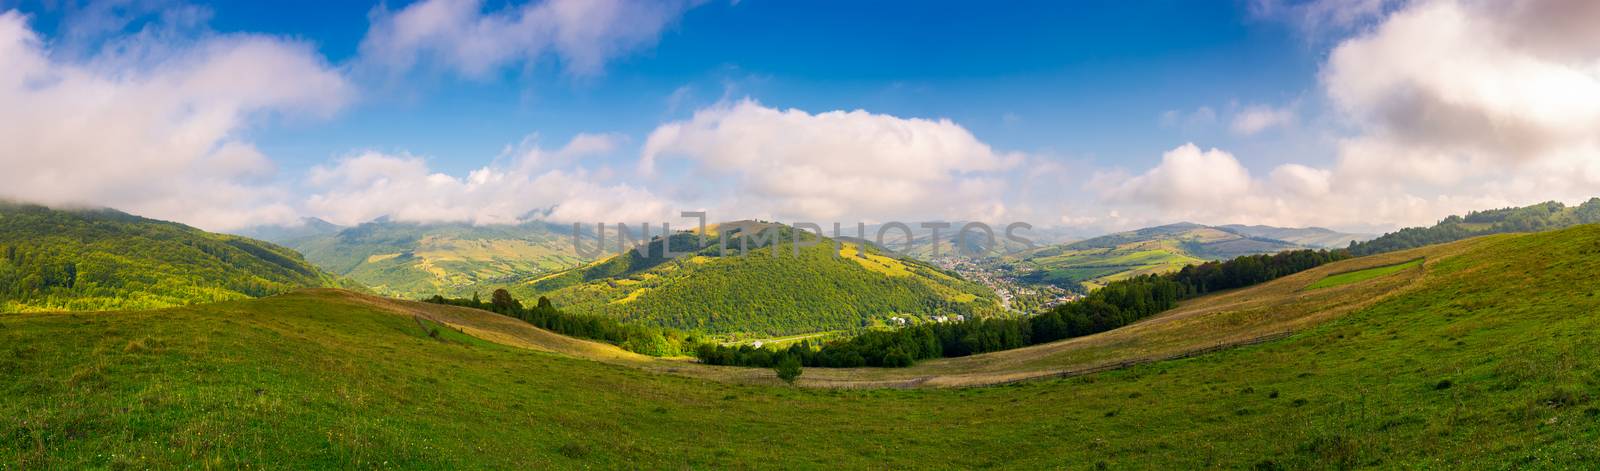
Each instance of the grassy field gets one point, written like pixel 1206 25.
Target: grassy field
pixel 1363 275
pixel 1483 359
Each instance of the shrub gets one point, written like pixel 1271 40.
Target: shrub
pixel 789 369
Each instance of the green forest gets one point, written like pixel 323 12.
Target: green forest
pixel 762 292
pixel 1540 217
pixel 641 339
pixel 85 260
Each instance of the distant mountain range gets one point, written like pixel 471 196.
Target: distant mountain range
pixel 412 260
pixel 102 259
pixel 1091 263
pixel 1308 237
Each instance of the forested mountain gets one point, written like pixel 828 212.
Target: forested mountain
pixel 101 259
pixel 1540 217
pixel 416 260
pixel 1092 263
pixel 760 292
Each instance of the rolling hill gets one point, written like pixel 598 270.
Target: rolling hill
pixel 417 260
pixel 1091 263
pixel 102 259
pixel 760 293
pixel 1479 358
pixel 1539 217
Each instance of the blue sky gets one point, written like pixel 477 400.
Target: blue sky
pixel 1106 114
pixel 1081 78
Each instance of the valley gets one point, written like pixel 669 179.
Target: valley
pixel 762 288
pixel 1085 265
pixel 343 379
pixel 1261 235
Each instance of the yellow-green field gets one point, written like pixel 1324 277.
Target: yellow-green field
pixel 1363 275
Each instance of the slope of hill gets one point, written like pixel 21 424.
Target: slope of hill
pixel 1539 217
pixel 1091 263
pixel 760 292
pixel 1483 356
pixel 417 260
pixel 102 259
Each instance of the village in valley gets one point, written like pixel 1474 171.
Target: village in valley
pixel 1015 294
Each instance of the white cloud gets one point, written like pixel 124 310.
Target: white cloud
pixel 836 165
pixel 370 185
pixel 459 35
pixel 1257 118
pixel 1186 179
pixel 154 124
pixel 1300 180
pixel 1446 106
pixel 1474 98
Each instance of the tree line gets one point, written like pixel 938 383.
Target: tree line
pixel 1540 217
pixel 641 339
pixel 1117 304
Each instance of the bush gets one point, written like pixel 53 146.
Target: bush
pixel 789 369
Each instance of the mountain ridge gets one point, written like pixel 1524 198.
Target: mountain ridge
pixel 823 288
pixel 101 258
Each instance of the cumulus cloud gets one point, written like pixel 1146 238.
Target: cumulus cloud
pixel 460 36
pixel 154 124
pixel 837 165
pixel 533 184
pixel 1187 178
pixel 1211 186
pixel 1446 106
pixel 1489 98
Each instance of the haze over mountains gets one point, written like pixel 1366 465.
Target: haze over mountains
pixel 1094 262
pixel 418 260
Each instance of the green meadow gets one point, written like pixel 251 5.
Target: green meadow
pixel 1486 362
pixel 1342 279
